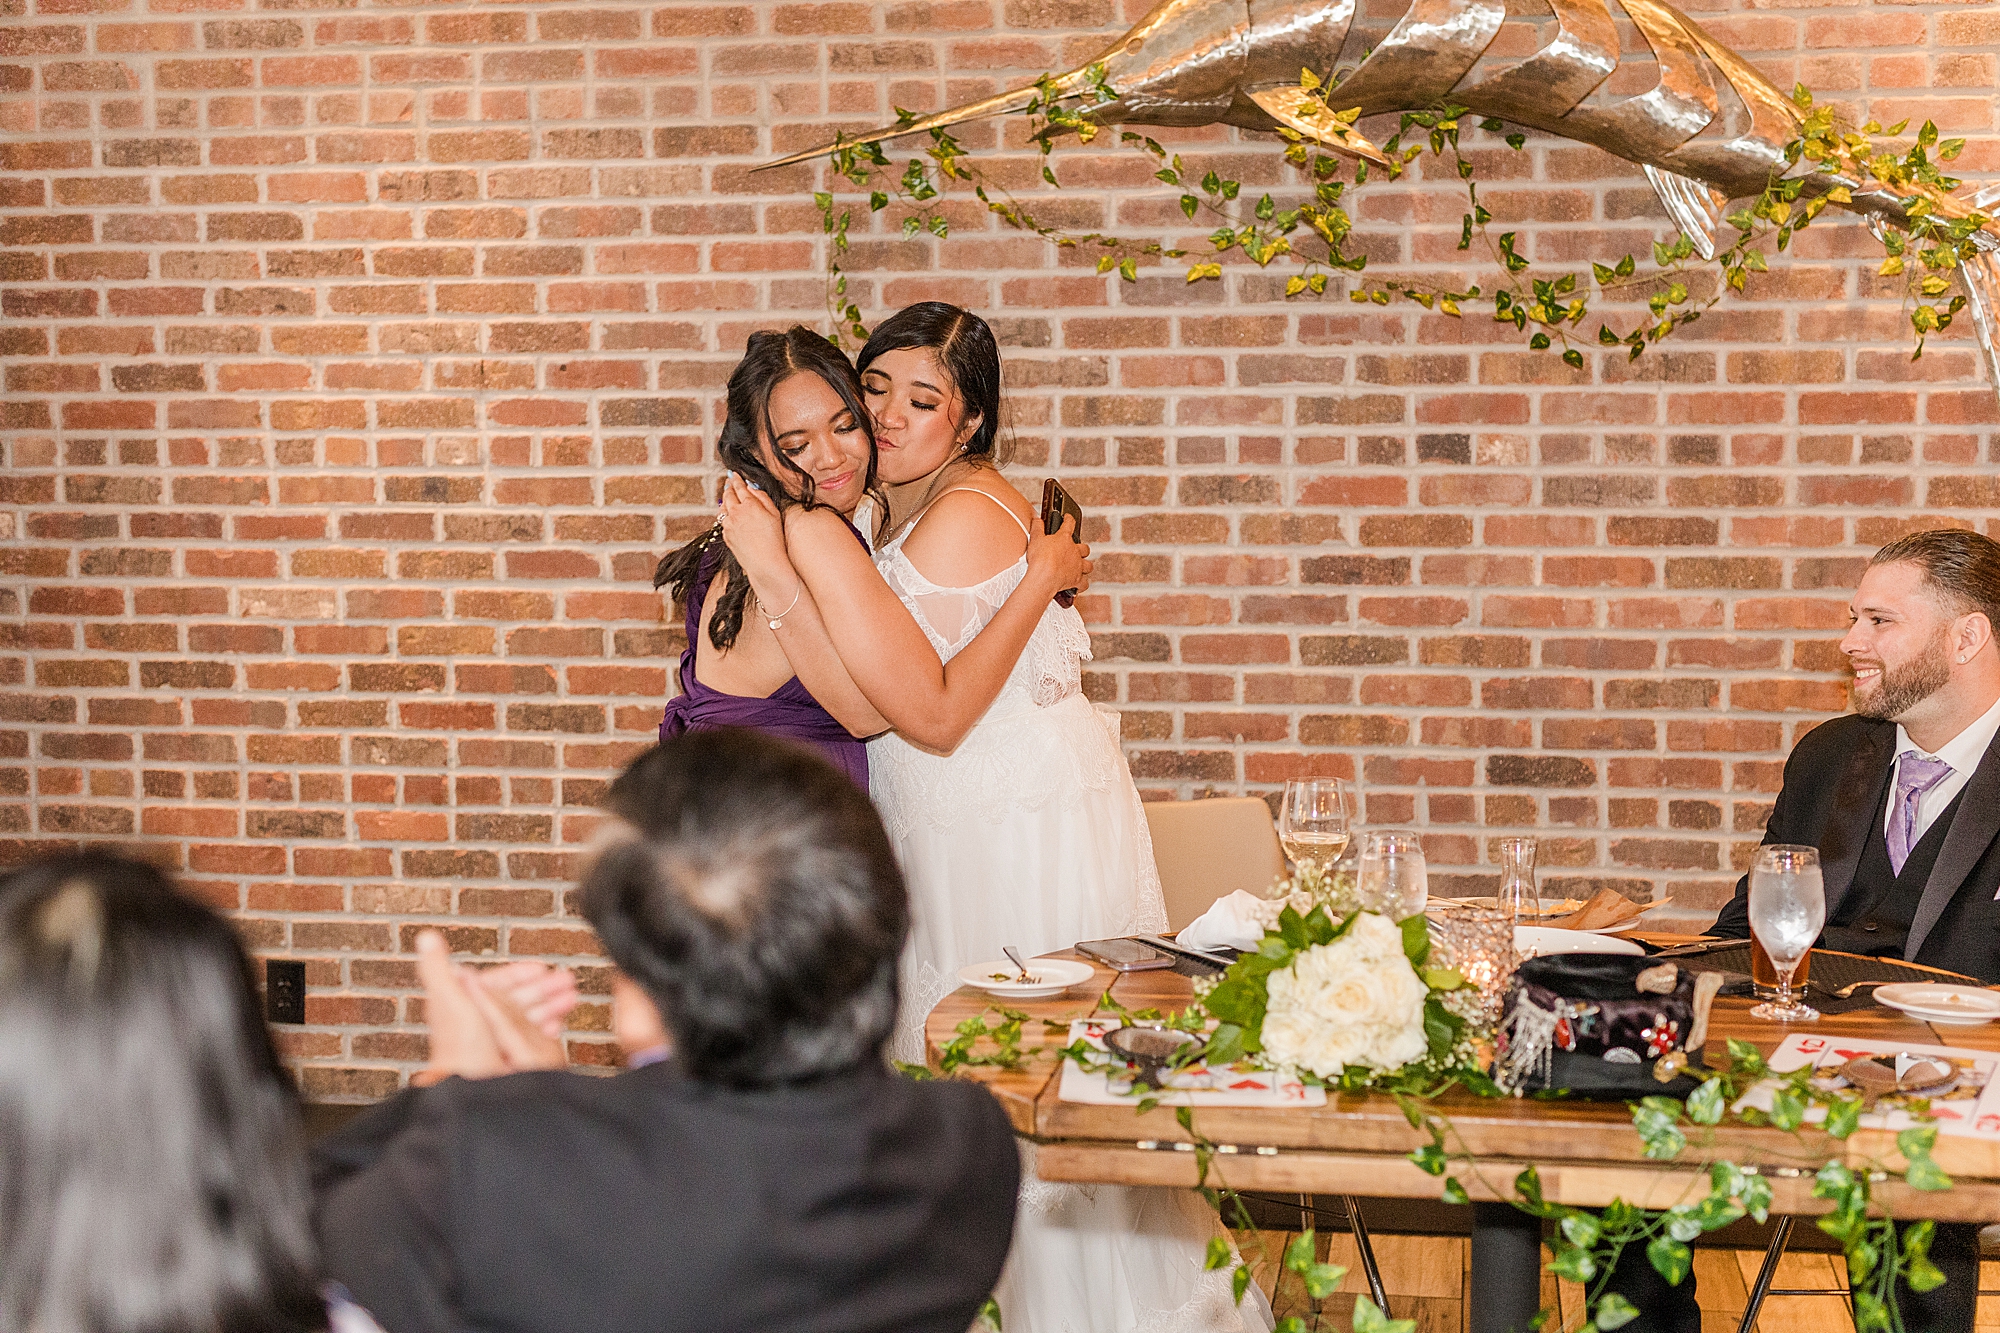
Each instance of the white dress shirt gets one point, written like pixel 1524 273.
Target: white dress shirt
pixel 1963 752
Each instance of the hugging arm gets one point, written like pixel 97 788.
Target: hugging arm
pixel 868 630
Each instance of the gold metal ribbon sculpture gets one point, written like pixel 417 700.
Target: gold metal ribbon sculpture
pixel 1237 62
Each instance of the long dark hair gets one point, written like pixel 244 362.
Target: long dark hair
pixel 748 888
pixel 964 346
pixel 769 360
pixel 152 1178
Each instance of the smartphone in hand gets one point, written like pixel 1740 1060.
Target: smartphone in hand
pixel 1056 502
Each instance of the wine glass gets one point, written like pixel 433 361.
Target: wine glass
pixel 1787 909
pixel 1312 822
pixel 1393 879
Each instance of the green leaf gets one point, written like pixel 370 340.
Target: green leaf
pixel 1925 1174
pixel 1416 939
pixel 1670 1258
pixel 1430 1159
pixel 1299 1254
pixel 1517 141
pixel 1189 204
pixel 1705 1104
pixel 1455 1192
pixel 1582 1229
pixel 1129 270
pixel 1368 1318
pixel 1239 1282
pixel 1655 1119
pixel 1321 927
pixel 1574 1262
pixel 1614 1311
pixel 1218 1254
pixel 1788 1109
pixel 1573 358
pixel 1843 1116
pixel 1322 1280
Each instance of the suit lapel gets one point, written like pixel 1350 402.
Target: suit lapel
pixel 1854 804
pixel 1971 833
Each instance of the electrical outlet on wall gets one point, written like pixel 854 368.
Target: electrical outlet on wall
pixel 284 990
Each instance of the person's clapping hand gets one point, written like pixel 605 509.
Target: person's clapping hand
pixel 481 1029
pixel 544 994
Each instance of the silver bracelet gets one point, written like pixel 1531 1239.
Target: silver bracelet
pixel 777 621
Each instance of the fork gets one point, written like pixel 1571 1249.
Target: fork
pixel 1854 986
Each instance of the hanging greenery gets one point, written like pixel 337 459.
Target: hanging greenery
pixel 1311 234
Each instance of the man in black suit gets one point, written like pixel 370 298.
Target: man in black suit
pixel 1902 796
pixel 1902 799
pixel 767 1173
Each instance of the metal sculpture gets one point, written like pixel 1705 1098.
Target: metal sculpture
pixel 1238 62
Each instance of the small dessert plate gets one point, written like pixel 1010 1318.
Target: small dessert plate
pixel 1537 941
pixel 1949 1006
pixel 1051 976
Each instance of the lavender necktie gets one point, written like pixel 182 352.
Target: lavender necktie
pixel 1915 775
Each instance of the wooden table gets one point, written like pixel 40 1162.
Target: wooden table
pixel 1587 1153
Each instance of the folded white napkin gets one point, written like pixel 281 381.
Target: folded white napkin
pixel 1235 922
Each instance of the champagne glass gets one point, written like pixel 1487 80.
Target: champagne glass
pixel 1787 909
pixel 1312 822
pixel 1393 879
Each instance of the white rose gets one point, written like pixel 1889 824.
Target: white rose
pixel 1355 1001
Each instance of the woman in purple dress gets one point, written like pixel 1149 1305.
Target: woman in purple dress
pixel 797 430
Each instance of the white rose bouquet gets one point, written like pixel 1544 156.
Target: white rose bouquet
pixel 1356 1002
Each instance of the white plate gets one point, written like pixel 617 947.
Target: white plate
pixel 1952 1006
pixel 1538 941
pixel 1052 976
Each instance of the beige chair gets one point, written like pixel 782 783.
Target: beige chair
pixel 1207 849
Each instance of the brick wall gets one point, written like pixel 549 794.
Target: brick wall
pixel 362 360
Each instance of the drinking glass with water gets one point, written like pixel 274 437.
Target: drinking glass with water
pixel 1394 880
pixel 1787 910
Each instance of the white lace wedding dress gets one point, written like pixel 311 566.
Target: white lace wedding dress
pixel 1031 833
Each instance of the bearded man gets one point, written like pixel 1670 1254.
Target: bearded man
pixel 1902 796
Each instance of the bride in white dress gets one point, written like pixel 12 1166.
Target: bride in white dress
pixel 1016 821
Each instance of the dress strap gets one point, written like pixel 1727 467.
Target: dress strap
pixel 974 490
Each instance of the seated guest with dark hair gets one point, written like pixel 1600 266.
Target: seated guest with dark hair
pixel 152 1178
pixel 769 1173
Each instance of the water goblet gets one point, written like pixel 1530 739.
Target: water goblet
pixel 1393 878
pixel 1787 909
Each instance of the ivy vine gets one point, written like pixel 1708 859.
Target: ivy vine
pixel 1313 234
pixel 1586 1244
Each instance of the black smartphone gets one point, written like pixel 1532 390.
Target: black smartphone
pixel 1125 955
pixel 1055 503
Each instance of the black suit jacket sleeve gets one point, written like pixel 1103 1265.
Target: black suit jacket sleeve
pixel 383 1217
pixel 1791 821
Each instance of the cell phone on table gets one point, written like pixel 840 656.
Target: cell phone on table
pixel 1055 503
pixel 1125 955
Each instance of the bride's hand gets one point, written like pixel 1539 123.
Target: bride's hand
pixel 755 532
pixel 1060 559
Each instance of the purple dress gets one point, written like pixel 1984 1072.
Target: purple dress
pixel 788 711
